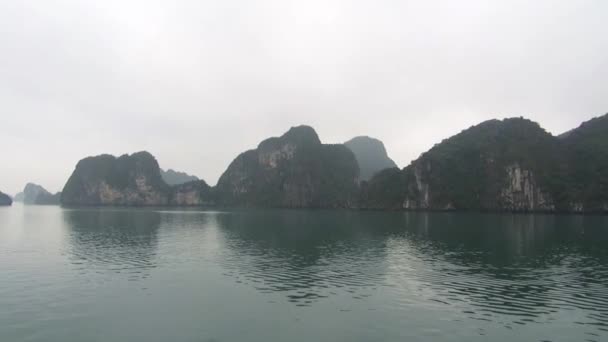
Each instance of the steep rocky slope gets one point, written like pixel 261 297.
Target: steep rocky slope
pixel 586 151
pixel 511 164
pixel 294 170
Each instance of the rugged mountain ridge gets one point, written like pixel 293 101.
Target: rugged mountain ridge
pixel 295 170
pixel 502 165
pixel 498 165
pixel 371 156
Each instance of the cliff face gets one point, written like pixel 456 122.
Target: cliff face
pixel 371 156
pixel 295 170
pixel 497 165
pixel 5 199
pixel 106 180
pixel 523 193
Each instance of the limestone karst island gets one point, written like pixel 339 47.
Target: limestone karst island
pixel 498 165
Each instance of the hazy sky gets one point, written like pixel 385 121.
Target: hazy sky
pixel 198 82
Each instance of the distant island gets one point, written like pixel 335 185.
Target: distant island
pixel 37 195
pixel 172 177
pixel 5 199
pixel 371 156
pixel 498 165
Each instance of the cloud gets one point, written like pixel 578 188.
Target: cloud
pixel 197 82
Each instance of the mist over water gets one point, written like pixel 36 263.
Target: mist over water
pixel 188 275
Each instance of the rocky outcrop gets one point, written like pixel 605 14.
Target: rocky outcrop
pixel 371 156
pixel 38 195
pixel 172 177
pixel 295 170
pixel 522 193
pixel 5 200
pixel 132 180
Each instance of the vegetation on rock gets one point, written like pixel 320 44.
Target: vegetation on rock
pixel 294 170
pixel 511 165
pixel 505 165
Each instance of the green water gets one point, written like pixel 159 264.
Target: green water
pixel 169 275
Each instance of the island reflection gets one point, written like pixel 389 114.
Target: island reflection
pixel 113 240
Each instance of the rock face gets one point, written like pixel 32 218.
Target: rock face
pixel 522 192
pixel 371 156
pixel 295 170
pixel 172 177
pixel 5 199
pixel 497 165
pixel 36 194
pixel 132 180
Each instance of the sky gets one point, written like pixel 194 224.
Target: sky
pixel 198 82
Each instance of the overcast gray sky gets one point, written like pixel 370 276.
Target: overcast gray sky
pixel 198 82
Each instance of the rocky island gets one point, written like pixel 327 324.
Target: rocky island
pixel 172 177
pixel 502 165
pixel 130 180
pixel 295 170
pixel 371 156
pixel 5 199
pixel 37 195
pixel 498 165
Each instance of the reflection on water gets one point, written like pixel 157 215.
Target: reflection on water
pixel 506 269
pixel 119 241
pixel 316 275
pixel 509 269
pixel 305 255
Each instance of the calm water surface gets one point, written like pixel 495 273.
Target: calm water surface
pixel 169 275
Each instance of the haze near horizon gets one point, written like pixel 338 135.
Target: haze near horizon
pixel 198 82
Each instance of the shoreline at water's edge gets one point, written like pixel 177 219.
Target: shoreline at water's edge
pixel 216 207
